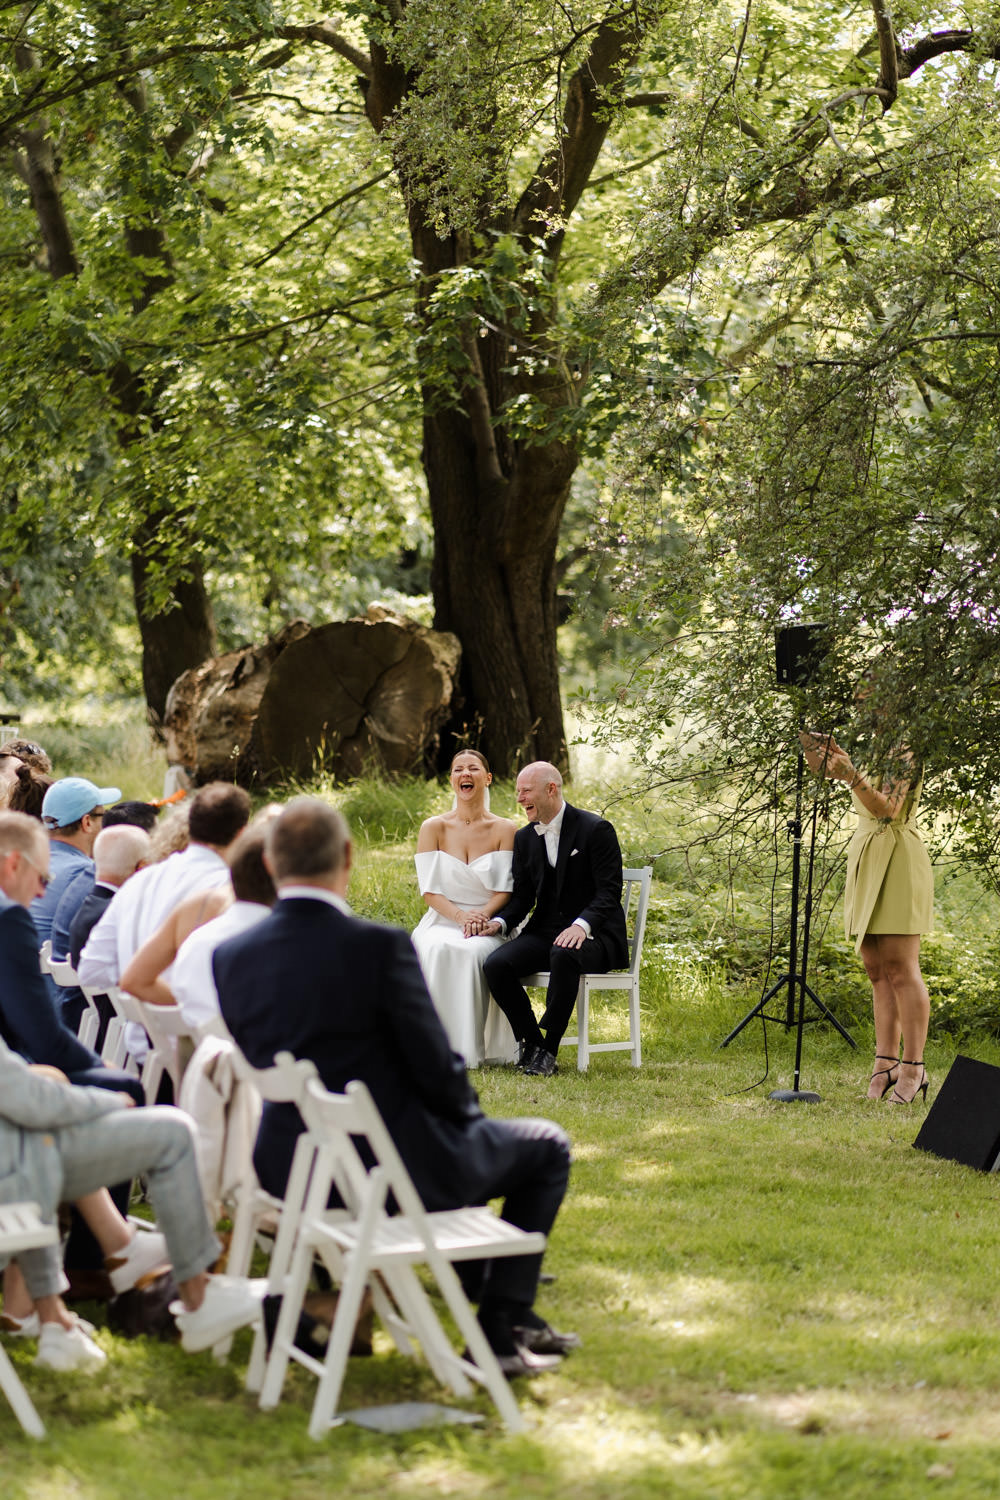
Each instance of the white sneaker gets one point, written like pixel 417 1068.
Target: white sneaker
pixel 62 1348
pixel 230 1302
pixel 144 1256
pixel 30 1327
pixel 20 1328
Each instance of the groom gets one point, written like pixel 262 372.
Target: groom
pixel 568 875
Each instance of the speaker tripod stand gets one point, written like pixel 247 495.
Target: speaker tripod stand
pixel 793 981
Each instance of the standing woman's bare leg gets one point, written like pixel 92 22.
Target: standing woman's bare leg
pixel 900 956
pixel 888 1028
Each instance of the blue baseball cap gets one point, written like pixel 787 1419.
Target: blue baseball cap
pixel 66 801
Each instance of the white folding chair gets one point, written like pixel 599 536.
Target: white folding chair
pixel 362 1245
pixel 21 1228
pixel 64 974
pixel 115 1049
pixel 282 1083
pixel 636 885
pixel 167 1030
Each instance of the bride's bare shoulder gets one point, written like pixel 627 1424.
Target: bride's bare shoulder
pixel 432 832
pixel 505 829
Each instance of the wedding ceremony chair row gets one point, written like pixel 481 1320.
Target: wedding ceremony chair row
pixel 64 974
pixel 171 1041
pixel 363 1246
pixel 636 887
pixel 21 1228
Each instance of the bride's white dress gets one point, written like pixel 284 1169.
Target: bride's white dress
pixel 453 964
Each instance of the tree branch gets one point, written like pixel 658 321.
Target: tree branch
pixel 37 164
pixel 328 208
pixel 888 78
pixel 122 67
pixel 936 45
pixel 563 173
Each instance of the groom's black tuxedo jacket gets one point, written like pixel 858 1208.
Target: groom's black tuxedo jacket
pixel 588 882
pixel 350 995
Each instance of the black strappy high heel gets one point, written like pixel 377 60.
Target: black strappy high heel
pixel 889 1074
pixel 896 1097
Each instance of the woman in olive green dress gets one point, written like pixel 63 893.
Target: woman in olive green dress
pixel 888 903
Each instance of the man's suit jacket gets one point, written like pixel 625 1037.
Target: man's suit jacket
pixel 350 995
pixel 89 913
pixel 29 1021
pixel 588 881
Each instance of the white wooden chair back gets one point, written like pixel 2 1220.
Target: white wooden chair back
pixel 284 1082
pixel 64 975
pixel 364 1246
pixel 636 887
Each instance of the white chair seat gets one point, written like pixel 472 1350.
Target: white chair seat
pixel 459 1233
pixel 636 886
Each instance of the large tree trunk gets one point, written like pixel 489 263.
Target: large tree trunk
pixel 175 638
pixel 494 583
pixel 496 502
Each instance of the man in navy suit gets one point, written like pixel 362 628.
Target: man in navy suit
pixel 568 875
pixel 314 980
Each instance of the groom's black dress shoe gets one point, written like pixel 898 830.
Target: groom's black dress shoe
pixel 543 1339
pixel 523 1362
pixel 526 1362
pixel 525 1052
pixel 541 1064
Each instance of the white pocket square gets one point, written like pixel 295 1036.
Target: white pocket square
pixel 572 852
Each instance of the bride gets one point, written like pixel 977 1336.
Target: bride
pixel 464 873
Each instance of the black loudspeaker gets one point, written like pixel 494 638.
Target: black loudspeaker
pixel 963 1123
pixel 798 652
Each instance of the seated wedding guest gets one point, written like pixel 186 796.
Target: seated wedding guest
pixel 26 792
pixel 30 1023
pixel 464 871
pixel 136 814
pixel 172 833
pixel 62 1144
pixel 119 851
pixel 192 985
pixel 130 1257
pixel 30 753
pixel 9 766
pixel 314 980
pixel 72 813
pixel 216 815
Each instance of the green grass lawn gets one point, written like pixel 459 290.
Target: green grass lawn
pixel 775 1299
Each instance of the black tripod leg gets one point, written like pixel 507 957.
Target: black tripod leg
pixel 758 1009
pixel 827 1015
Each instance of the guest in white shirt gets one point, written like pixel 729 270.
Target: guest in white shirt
pixel 192 985
pixel 219 813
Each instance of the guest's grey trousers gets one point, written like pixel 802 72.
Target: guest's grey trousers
pixel 156 1143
